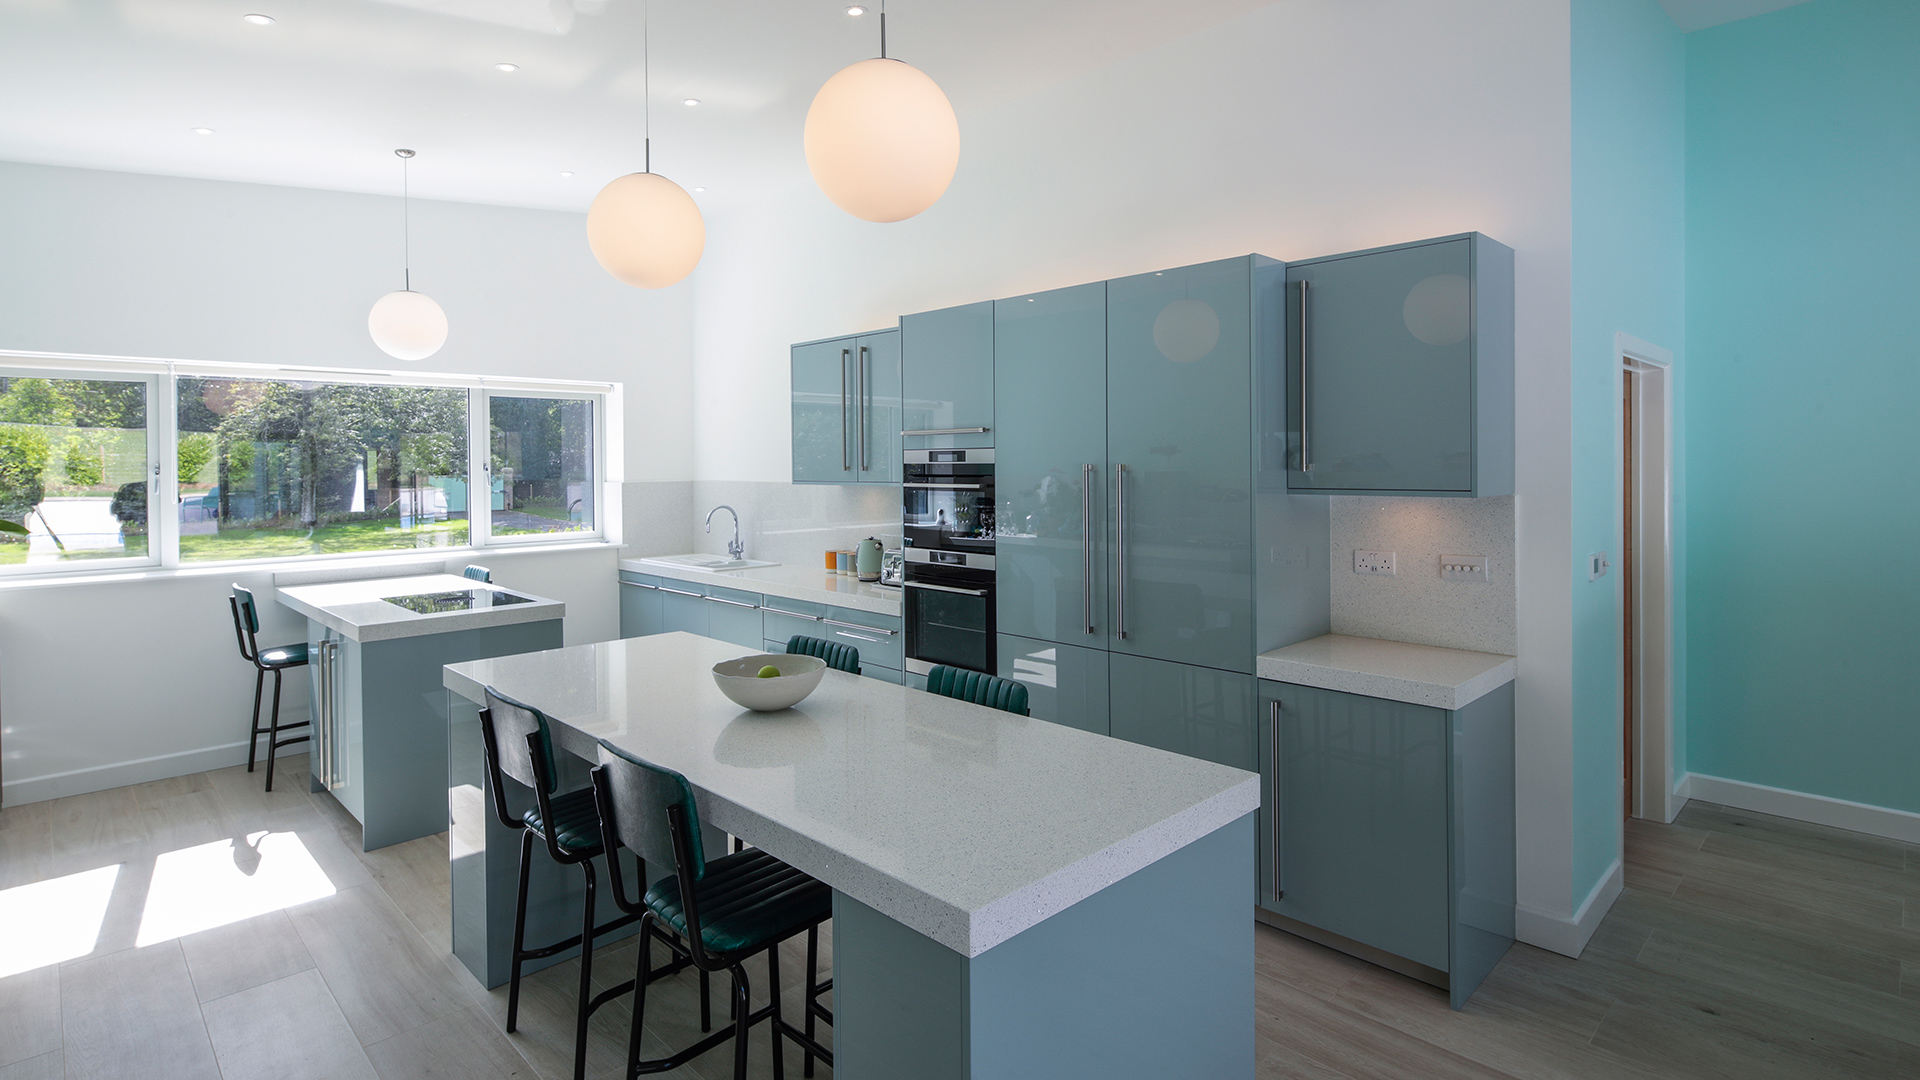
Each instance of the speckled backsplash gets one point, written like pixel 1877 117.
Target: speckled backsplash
pixel 1415 605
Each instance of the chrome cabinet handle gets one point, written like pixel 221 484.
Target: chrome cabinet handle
pixel 857 637
pixel 1273 736
pixel 859 626
pixel 944 588
pixel 946 487
pixel 682 592
pixel 792 614
pixel 639 585
pixel 1306 460
pixel 1086 543
pixel 860 380
pixel 1120 537
pixel 846 358
pixel 947 431
pixel 731 603
pixel 319 764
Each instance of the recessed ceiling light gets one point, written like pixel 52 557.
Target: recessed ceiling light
pixel 690 102
pixel 856 10
pixel 567 175
pixel 203 131
pixel 508 68
pixel 257 20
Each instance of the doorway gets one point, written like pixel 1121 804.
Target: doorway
pixel 1645 571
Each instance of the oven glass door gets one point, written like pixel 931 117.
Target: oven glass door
pixel 948 508
pixel 951 628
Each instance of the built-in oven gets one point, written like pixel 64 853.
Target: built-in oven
pixel 947 500
pixel 947 529
pixel 947 603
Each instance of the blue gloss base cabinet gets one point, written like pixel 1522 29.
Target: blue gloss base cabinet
pixel 383 755
pixel 661 605
pixel 1387 829
pixel 1175 1001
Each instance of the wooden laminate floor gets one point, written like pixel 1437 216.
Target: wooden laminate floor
pixel 1745 947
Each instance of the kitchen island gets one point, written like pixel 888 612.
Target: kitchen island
pixel 379 710
pixel 1011 897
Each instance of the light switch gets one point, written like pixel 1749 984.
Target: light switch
pixel 1378 563
pixel 1597 566
pixel 1463 568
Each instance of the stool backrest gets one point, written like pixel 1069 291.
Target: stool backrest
pixel 838 657
pixel 246 622
pixel 478 573
pixel 650 810
pixel 508 723
pixel 995 693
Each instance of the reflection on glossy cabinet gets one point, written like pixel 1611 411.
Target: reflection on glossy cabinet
pixel 1180 452
pixel 1050 455
pixel 1390 826
pixel 946 376
pixel 876 381
pixel 1197 711
pixel 1065 684
pixel 846 410
pixel 1400 370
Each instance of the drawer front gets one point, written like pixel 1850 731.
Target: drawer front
pixel 781 619
pixel 877 644
pixel 644 579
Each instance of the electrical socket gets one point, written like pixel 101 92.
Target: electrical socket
pixel 1463 568
pixel 1376 563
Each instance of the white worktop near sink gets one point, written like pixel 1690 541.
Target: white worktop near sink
pixel 809 583
pixel 1394 670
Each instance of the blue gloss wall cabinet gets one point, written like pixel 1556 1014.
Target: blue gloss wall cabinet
pixel 846 410
pixel 1050 465
pixel 1180 457
pixel 946 377
pixel 1387 828
pixel 1400 370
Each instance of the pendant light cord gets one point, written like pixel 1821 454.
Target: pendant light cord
pixel 406 219
pixel 646 81
pixel 883 29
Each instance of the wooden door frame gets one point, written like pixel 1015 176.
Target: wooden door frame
pixel 1653 765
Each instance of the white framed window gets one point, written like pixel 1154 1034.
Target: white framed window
pixel 244 463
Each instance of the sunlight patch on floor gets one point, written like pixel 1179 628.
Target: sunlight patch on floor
pixel 199 888
pixel 54 920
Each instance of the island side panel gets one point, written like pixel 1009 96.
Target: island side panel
pixel 1150 977
pixel 403 723
pixel 1482 850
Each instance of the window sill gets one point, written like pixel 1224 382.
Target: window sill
pixel 326 564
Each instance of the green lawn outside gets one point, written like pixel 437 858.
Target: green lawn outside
pixel 327 540
pixel 13 551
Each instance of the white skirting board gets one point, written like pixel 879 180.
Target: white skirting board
pixel 122 773
pixel 1569 936
pixel 1800 806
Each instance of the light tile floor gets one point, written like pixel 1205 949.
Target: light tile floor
pixel 1745 948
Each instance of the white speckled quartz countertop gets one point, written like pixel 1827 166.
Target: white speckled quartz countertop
pixel 1395 670
pixel 812 583
pixel 965 823
pixel 359 609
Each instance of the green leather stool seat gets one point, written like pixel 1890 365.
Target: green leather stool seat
pixel 838 657
pixel 284 656
pixel 748 902
pixel 576 822
pixel 991 691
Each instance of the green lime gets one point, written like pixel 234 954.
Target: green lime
pixel 769 672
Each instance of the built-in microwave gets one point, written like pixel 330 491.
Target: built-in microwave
pixel 946 499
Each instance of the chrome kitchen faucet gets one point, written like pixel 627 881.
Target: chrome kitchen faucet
pixel 735 550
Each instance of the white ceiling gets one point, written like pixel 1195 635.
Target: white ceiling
pixel 1693 15
pixel 323 96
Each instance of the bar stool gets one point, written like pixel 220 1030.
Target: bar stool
pixel 478 573
pixel 724 911
pixel 991 691
pixel 246 625
pixel 838 657
pixel 519 743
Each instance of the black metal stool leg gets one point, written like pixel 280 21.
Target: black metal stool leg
pixel 253 740
pixel 773 1000
pixel 742 1021
pixel 706 1003
pixel 273 729
pixel 813 965
pixel 586 977
pixel 641 977
pixel 519 931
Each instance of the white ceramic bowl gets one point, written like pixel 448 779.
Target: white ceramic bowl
pixel 740 681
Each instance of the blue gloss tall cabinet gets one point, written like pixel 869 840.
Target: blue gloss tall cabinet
pixel 947 384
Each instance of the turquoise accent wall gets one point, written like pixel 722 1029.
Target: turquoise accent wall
pixel 1629 275
pixel 1803 200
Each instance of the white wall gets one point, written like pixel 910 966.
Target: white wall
pixel 111 682
pixel 1305 128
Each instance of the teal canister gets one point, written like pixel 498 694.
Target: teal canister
pixel 866 560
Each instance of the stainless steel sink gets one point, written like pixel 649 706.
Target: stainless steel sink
pixel 714 563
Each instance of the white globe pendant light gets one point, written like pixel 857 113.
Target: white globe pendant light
pixel 881 138
pixel 643 228
pixel 405 324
